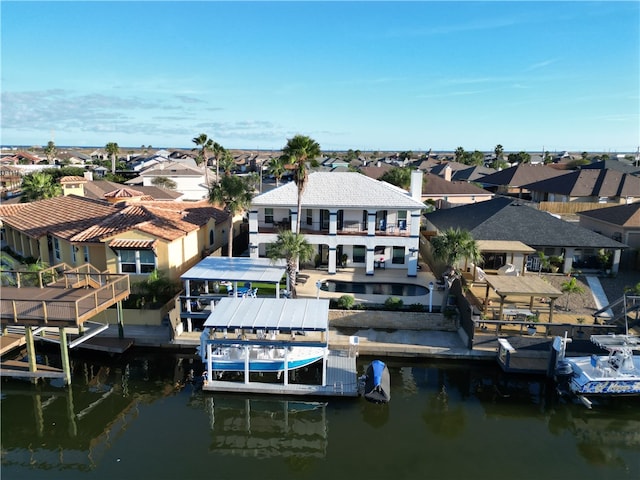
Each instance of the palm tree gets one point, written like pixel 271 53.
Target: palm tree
pixel 235 194
pixel 499 151
pixel 545 262
pixel 297 151
pixel 39 185
pixel 112 150
pixel 453 245
pixel 569 287
pixel 218 152
pixel 227 162
pixel 277 169
pixel 50 151
pixel 459 154
pixel 205 143
pixel 293 247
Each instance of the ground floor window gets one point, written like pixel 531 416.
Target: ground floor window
pixel 136 261
pixel 359 252
pixel 398 256
pixel 268 215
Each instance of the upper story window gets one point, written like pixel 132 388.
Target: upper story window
pixel 86 254
pixel 136 261
pixel 309 216
pixel 74 250
pixel 402 219
pixel 212 236
pixel 268 215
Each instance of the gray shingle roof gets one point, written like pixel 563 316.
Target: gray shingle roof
pixel 590 182
pixel 622 215
pixel 507 219
pixel 340 190
pixel 521 175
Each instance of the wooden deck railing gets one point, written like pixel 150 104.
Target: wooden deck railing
pixel 70 311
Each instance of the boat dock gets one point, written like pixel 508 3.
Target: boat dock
pixel 342 381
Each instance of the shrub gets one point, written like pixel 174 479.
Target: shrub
pixel 345 302
pixel 393 303
pixel 416 307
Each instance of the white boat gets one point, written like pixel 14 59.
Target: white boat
pixel 261 358
pixel 612 374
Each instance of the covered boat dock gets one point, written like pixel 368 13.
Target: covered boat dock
pixel 283 324
pixel 199 281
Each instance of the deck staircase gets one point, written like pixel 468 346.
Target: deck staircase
pixel 625 312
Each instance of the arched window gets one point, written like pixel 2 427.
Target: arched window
pixel 212 236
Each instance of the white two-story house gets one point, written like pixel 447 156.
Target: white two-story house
pixel 346 215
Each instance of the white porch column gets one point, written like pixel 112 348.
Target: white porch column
pixel 568 260
pixel 371 223
pixel 333 221
pixel 332 260
pixel 615 266
pixel 369 261
pixel 253 234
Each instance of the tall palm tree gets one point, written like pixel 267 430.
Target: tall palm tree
pixel 234 194
pixel 205 144
pixel 218 152
pixel 50 151
pixel 293 247
pixel 298 151
pixel 39 185
pixel 227 162
pixel 499 151
pixel 112 150
pixel 277 169
pixel 453 245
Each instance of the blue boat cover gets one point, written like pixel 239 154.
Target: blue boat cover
pixel 378 368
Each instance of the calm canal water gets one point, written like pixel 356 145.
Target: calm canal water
pixel 129 417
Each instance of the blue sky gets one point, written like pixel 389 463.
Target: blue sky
pixel 360 75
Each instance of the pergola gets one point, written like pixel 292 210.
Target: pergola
pixel 523 286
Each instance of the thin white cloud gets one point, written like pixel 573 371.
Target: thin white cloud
pixel 542 64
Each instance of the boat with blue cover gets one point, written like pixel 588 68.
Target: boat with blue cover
pixel 377 382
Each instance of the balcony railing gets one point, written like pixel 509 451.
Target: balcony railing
pixel 399 229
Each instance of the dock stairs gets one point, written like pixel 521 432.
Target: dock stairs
pixel 624 311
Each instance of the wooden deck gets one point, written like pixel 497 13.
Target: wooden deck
pixel 342 381
pixel 71 297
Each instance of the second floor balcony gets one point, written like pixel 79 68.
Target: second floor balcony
pixel 399 228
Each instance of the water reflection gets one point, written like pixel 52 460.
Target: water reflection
pixel 263 427
pixel 116 404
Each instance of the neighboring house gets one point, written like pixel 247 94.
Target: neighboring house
pixel 445 193
pixel 333 163
pixel 621 223
pixel 118 238
pixel 376 171
pixel 590 185
pixel 373 223
pixel 100 189
pixel 511 181
pixel 506 219
pixel 445 169
pixel 10 181
pixel 614 165
pixel 190 181
pixel 472 174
